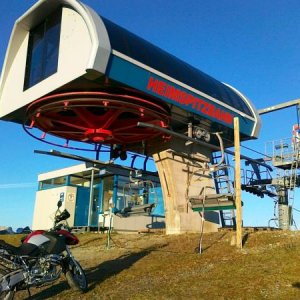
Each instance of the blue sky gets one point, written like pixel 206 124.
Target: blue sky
pixel 252 45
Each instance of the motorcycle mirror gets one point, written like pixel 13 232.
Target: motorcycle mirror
pixel 59 203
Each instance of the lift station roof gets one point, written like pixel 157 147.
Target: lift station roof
pixel 76 75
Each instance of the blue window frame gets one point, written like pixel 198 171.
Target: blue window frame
pixel 43 48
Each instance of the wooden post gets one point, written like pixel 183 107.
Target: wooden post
pixel 238 201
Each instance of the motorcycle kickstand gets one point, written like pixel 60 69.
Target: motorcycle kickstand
pixel 29 294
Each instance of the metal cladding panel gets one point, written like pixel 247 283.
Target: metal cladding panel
pixel 137 77
pixel 152 56
pixel 134 60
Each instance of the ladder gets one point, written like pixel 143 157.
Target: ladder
pixel 293 177
pixel 293 173
pixel 224 186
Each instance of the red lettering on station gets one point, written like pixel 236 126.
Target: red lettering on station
pixel 161 88
pixel 152 84
pixel 166 90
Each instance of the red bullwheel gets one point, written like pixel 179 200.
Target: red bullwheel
pixel 97 117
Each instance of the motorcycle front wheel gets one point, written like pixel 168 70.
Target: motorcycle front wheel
pixel 75 276
pixel 7 295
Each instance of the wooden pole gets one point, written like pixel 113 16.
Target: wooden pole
pixel 238 201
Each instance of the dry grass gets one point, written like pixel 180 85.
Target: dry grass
pixel 149 266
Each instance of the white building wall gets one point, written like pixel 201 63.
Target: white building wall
pixel 46 205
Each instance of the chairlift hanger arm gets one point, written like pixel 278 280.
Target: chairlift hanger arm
pixel 200 143
pixel 95 163
pixel 279 106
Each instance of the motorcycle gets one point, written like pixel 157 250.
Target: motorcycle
pixel 41 259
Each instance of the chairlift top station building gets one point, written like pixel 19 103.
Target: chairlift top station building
pixel 91 195
pixel 75 75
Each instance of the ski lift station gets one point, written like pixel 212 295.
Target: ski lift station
pixel 74 79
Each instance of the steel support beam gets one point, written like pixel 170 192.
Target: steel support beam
pixel 279 106
pixel 200 143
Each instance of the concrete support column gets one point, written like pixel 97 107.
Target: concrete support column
pixel 183 172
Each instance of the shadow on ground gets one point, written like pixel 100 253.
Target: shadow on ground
pixel 112 267
pixel 96 274
pixel 296 285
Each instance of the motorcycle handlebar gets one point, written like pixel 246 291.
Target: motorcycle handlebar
pixel 63 216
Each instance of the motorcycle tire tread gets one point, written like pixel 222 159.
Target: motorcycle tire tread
pixel 74 285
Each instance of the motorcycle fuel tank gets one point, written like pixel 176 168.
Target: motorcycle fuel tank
pixel 51 242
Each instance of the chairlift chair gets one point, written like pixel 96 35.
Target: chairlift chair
pixel 136 203
pixel 213 202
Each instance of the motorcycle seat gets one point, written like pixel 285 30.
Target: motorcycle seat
pixel 23 250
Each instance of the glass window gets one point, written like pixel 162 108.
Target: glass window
pixel 52 183
pixel 108 187
pixel 59 181
pixel 46 184
pixel 43 46
pixel 79 181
